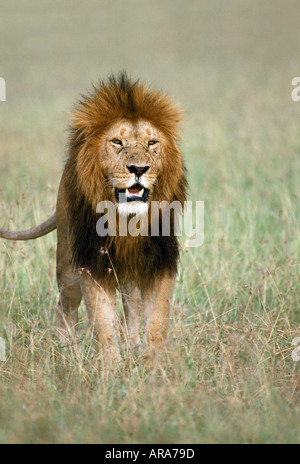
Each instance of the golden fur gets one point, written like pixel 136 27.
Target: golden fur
pixel 117 131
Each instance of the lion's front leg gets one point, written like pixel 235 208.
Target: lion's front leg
pixel 132 303
pixel 100 301
pixel 157 302
pixel 70 296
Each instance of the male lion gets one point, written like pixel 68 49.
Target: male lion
pixel 122 145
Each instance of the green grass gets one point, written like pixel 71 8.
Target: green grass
pixel 227 375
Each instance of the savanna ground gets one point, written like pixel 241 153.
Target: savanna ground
pixel 227 375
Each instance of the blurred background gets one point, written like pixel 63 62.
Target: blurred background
pixel 227 63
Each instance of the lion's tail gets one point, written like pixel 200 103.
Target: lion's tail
pixel 30 234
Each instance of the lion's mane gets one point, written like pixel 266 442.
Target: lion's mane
pixel 140 258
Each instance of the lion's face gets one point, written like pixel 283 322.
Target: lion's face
pixel 132 162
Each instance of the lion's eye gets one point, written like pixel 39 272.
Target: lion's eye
pixel 152 142
pixel 117 142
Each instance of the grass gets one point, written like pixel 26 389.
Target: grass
pixel 227 375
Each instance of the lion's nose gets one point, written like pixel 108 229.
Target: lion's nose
pixel 138 170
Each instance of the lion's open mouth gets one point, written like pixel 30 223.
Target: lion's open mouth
pixel 135 193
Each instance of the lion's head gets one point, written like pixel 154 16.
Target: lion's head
pixel 127 135
pixel 123 148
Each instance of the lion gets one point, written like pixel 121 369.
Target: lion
pixel 123 145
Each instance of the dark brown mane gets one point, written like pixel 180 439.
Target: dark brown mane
pixel 132 258
pixel 120 98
